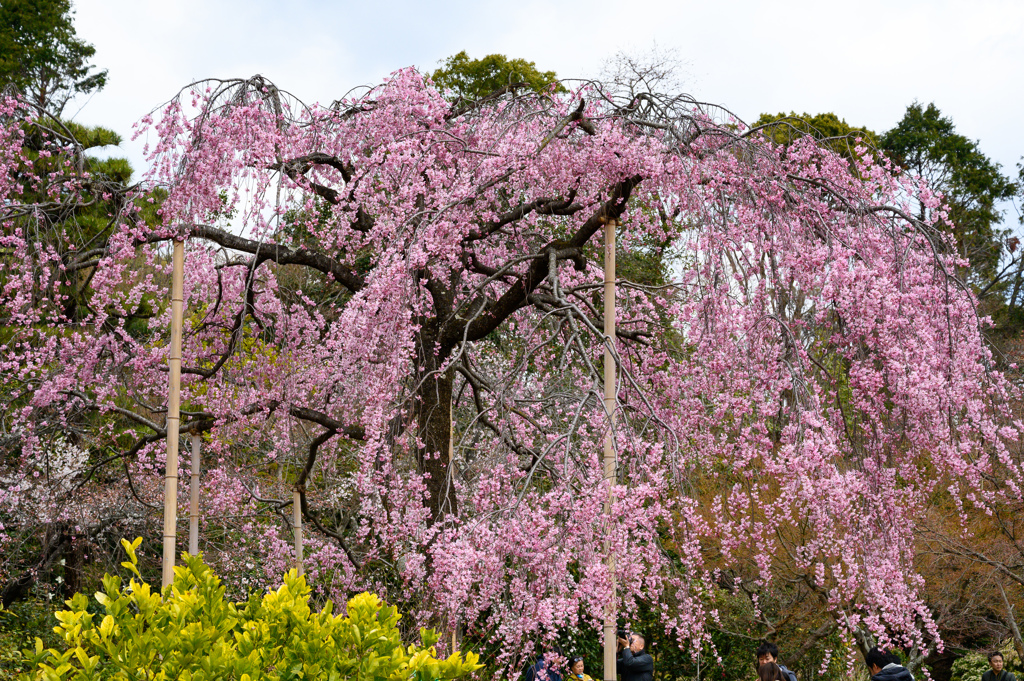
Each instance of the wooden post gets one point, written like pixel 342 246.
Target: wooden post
pixel 609 442
pixel 193 506
pixel 451 471
pixel 173 416
pixel 297 524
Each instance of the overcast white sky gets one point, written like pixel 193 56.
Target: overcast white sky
pixel 864 60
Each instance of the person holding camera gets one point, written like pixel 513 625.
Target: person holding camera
pixel 634 663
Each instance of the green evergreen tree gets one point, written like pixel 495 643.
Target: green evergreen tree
pixel 926 143
pixel 42 57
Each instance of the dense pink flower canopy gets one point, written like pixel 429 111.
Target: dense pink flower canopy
pixel 371 281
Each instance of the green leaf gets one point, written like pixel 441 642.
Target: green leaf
pixel 194 634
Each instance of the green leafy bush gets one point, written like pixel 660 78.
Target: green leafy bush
pixel 191 633
pixel 19 626
pixel 970 667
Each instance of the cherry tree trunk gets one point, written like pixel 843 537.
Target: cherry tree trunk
pixel 433 429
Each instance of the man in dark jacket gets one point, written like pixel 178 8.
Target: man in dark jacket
pixel 769 652
pixel 634 664
pixel 997 673
pixel 884 666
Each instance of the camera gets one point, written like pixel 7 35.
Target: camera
pixel 623 633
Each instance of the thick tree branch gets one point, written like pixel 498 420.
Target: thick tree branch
pixel 517 296
pixel 297 168
pixel 282 255
pixel 542 206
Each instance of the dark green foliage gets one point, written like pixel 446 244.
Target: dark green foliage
pixel 41 56
pixel 833 131
pixel 92 137
pixel 112 169
pixel 19 627
pixel 471 79
pixel 644 262
pixel 926 143
pixel 731 656
pixel 55 150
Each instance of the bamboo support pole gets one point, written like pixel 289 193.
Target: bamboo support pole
pixel 193 505
pixel 173 416
pixel 609 442
pixel 297 524
pixel 451 464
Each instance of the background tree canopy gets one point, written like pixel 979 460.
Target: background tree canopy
pixel 926 143
pixel 974 190
pixel 475 78
pixel 828 128
pixel 41 55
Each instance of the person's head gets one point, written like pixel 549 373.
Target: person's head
pixel 636 643
pixel 995 660
pixel 769 671
pixel 876 659
pixel 767 652
pixel 576 665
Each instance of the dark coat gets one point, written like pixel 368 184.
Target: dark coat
pixel 788 674
pixel 1003 676
pixel 893 672
pixel 639 667
pixel 539 672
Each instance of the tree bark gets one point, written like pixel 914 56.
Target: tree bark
pixel 1016 287
pixel 1011 620
pixel 74 564
pixel 56 543
pixel 59 542
pixel 433 429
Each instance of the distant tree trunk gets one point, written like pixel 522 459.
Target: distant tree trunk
pixel 55 545
pixel 1016 287
pixel 16 589
pixel 74 563
pixel 433 420
pixel 864 640
pixel 193 500
pixel 59 543
pixel 1011 620
pixel 914 659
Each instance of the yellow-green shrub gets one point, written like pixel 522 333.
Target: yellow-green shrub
pixel 192 633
